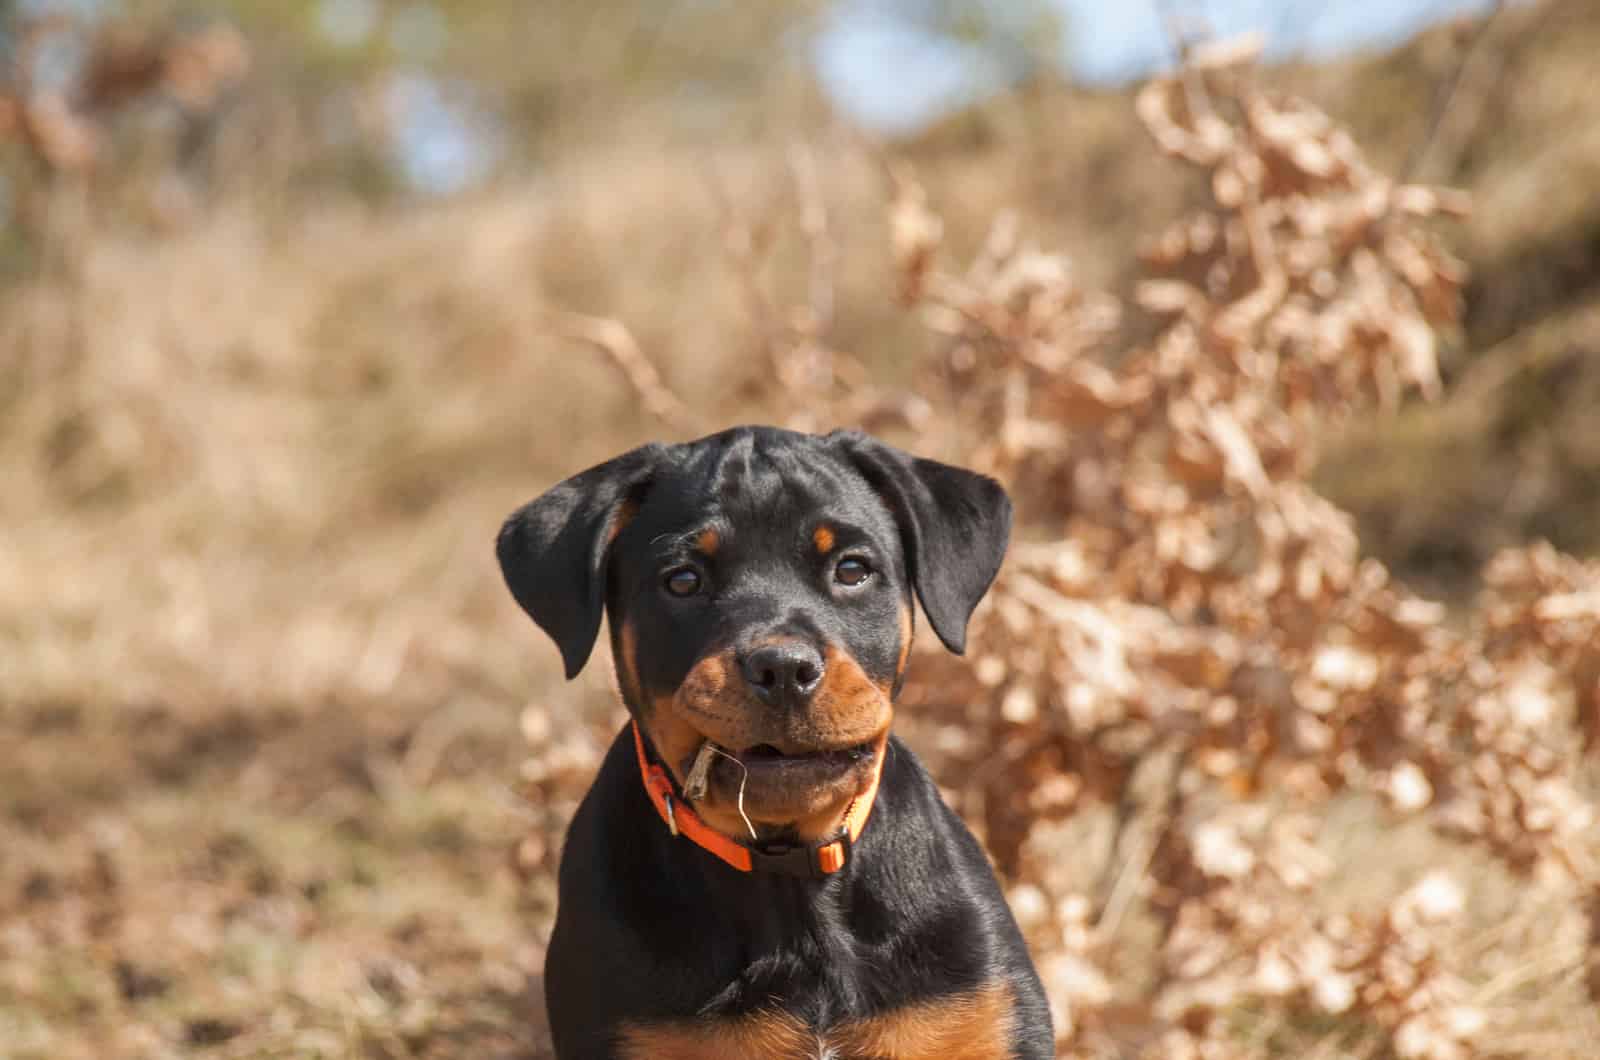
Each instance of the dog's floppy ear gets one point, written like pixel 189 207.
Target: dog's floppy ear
pixel 553 549
pixel 955 524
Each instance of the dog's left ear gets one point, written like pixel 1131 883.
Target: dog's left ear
pixel 553 549
pixel 955 524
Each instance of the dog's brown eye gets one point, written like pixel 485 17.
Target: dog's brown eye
pixel 852 571
pixel 683 582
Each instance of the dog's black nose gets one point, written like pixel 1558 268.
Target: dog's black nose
pixel 783 672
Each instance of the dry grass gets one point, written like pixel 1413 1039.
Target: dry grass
pixel 252 475
pixel 259 667
pixel 260 685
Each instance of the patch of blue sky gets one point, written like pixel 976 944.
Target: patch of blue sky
pixel 893 78
pixel 86 9
pixel 883 68
pixel 442 142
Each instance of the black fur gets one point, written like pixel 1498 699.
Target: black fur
pixel 654 928
pixel 552 551
pixel 955 523
pixel 651 928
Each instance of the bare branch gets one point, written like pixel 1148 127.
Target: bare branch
pixel 1476 72
pixel 612 338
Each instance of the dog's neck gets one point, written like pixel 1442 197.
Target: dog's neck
pixel 771 913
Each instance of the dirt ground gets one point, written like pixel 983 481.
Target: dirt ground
pixel 259 882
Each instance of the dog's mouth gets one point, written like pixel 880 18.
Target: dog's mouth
pixel 765 764
pixel 765 756
pixel 769 780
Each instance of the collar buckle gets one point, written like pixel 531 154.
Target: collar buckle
pixel 807 860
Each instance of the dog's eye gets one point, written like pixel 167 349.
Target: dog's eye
pixel 685 581
pixel 852 571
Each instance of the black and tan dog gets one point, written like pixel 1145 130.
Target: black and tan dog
pixel 761 869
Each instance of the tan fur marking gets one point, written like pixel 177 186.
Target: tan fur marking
pixel 677 739
pixel 628 662
pixel 713 689
pixel 822 537
pixel 906 632
pixel 816 826
pixel 975 1026
pixel 619 522
pixel 850 701
pixel 847 708
pixel 708 542
pixel 764 1036
pixel 714 703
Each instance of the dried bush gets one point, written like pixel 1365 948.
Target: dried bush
pixel 1186 633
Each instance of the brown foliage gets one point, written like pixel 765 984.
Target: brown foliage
pixel 1185 630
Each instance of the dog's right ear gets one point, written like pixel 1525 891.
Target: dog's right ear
pixel 553 549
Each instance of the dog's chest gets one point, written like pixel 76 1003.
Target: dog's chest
pixel 974 1025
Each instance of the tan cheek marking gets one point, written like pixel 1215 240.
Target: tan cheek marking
pixel 628 664
pixel 674 739
pixel 828 821
pixel 822 537
pixel 975 1026
pixel 855 710
pixel 906 632
pixel 851 704
pixel 712 691
pixel 708 542
pixel 765 1035
pixel 675 736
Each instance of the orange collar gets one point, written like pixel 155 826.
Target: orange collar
pixel 818 860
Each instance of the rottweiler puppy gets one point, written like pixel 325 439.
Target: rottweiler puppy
pixel 761 870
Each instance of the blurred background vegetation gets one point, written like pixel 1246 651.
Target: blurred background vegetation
pixel 281 292
pixel 280 109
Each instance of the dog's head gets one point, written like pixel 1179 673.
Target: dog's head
pixel 759 585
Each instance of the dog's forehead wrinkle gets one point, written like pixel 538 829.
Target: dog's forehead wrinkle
pixel 763 493
pixel 787 491
pixel 747 460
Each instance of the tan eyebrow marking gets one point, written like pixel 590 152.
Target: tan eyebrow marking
pixel 822 537
pixel 708 541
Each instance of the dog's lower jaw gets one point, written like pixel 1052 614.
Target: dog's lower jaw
pixel 807 816
pixel 791 799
